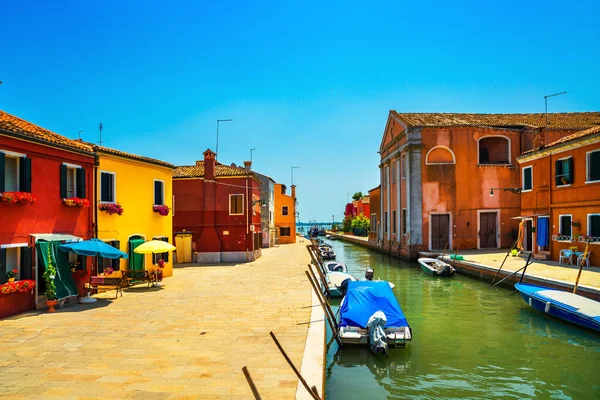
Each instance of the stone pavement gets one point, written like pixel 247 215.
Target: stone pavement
pixel 187 339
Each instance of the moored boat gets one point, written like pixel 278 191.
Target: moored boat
pixel 434 267
pixel 335 283
pixel 563 305
pixel 332 266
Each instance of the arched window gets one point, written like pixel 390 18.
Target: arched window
pixel 494 150
pixel 440 155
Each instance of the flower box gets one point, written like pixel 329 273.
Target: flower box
pixel 16 303
pixel 162 210
pixel 17 198
pixel 111 208
pixel 562 238
pixel 76 202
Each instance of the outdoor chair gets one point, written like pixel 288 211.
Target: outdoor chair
pixel 564 254
pixel 587 259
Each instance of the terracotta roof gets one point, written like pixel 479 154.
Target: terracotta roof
pixel 197 171
pixel 577 135
pixel 119 153
pixel 568 121
pixel 11 124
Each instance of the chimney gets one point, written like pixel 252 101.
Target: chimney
pixel 294 192
pixel 248 165
pixel 209 165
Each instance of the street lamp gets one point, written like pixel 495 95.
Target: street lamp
pixel 219 121
pixel 293 175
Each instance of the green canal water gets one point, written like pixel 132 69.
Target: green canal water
pixel 469 341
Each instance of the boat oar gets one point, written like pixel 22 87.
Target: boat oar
pixel 505 257
pixel 516 272
pixel 583 261
pixel 251 384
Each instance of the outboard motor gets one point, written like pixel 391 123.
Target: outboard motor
pixel 377 339
pixel 369 274
pixel 344 286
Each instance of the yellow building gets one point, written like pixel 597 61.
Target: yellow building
pixel 136 185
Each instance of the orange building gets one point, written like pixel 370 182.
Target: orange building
pixel 285 215
pixel 560 198
pixel 437 171
pixel 362 206
pixel 374 207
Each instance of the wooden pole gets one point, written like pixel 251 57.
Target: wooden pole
pixel 516 272
pixel 251 384
pixel 455 254
pixel 505 257
pixel 313 394
pixel 444 253
pixel 327 312
pixel 583 261
pixel 323 280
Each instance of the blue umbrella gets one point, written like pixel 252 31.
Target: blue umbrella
pixel 93 248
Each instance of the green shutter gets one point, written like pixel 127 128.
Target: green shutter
pixel 571 177
pixel 558 172
pixel 2 176
pixel 594 225
pixel 116 262
pixel 63 181
pixel 594 166
pixel 81 191
pixel 2 266
pixel 527 179
pixel 25 174
pixel 26 267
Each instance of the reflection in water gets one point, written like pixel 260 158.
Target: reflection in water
pixel 469 341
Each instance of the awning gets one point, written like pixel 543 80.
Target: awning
pixel 531 216
pixel 55 237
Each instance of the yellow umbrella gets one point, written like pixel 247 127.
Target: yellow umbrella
pixel 153 247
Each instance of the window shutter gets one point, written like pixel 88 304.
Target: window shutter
pixel 166 255
pixel 557 172
pixel 81 191
pixel 63 181
pixel 111 187
pixel 158 193
pixel 594 225
pixel 571 176
pixel 26 267
pixel 2 266
pixel 116 263
pixel 25 175
pixel 594 166
pixel 2 176
pixel 527 183
pixel 103 187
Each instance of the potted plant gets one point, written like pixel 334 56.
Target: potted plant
pixel 575 224
pixel 564 180
pixel 111 208
pixel 17 197
pixel 76 202
pixel 49 275
pixel 11 275
pixel 162 210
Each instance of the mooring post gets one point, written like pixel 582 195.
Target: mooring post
pixel 505 257
pixel 251 384
pixel 327 312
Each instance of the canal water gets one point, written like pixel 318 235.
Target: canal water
pixel 469 341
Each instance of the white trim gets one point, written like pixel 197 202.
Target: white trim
pixel 114 174
pixel 498 226
pixel 449 228
pixel 13 153
pixel 436 163
pixel 589 222
pixel 587 166
pixel 236 194
pixel 523 190
pixel 154 191
pixel 12 245
pixel 560 224
pixel 509 150
pixel 72 165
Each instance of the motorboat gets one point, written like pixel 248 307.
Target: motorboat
pixel 434 267
pixel 337 283
pixel 567 306
pixel 371 315
pixel 331 266
pixel 327 253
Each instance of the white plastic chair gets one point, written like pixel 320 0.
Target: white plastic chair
pixel 587 259
pixel 564 254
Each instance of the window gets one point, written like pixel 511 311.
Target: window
pixel 158 256
pixel 403 165
pixel 593 225
pixel 270 216
pixel 404 224
pixel 440 155
pixel 284 231
pixel 15 172
pixel 284 210
pixel 494 150
pixel 563 174
pixel 527 179
pixel 593 166
pixel 159 193
pixel 393 172
pixel 72 181
pixel 385 222
pixel 394 221
pixel 236 204
pixel 564 225
pixel 13 261
pixel 387 176
pixel 11 174
pixel 107 187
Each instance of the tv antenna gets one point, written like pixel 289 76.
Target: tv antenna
pixel 100 127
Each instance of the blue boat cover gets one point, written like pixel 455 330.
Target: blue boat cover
pixel 365 298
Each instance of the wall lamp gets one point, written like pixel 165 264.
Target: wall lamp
pixel 512 190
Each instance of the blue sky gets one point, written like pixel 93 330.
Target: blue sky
pixel 308 83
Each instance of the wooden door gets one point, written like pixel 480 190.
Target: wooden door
pixel 487 230
pixel 184 248
pixel 440 231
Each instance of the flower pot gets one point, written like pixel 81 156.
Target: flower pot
pixel 51 304
pixel 11 279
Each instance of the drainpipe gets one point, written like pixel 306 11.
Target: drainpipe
pixel 249 204
pixel 95 213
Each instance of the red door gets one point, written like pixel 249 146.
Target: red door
pixel 487 230
pixel 440 232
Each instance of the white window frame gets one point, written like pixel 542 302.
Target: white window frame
pixel 19 255
pixel 427 162
pixel 18 267
pixel 74 168
pixel 18 156
pixel 587 166
pixel 287 211
pixel 568 184
pixel 509 150
pixel 154 191
pixel 114 174
pixel 243 208
pixel 523 190
pixel 560 225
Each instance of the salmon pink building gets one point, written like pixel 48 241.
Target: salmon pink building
pixel 438 171
pixel 560 197
pixel 218 207
pixel 46 185
pixel 374 208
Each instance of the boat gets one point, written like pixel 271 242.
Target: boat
pixel 434 267
pixel 328 236
pixel 331 266
pixel 337 283
pixel 371 315
pixel 563 305
pixel 327 253
pixel 333 237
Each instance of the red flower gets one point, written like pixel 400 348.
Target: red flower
pixel 18 197
pixel 162 210
pixel 18 286
pixel 111 208
pixel 76 202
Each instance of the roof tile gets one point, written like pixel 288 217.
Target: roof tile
pixel 108 150
pixel 197 171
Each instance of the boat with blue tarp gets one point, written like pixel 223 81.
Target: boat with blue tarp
pixel 371 315
pixel 560 304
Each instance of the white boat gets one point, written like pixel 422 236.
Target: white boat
pixel 332 266
pixel 434 267
pixel 334 282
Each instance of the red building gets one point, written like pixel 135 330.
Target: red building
pixel 374 207
pixel 560 197
pixel 219 206
pixel 47 167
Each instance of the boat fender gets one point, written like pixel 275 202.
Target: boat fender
pixel 547 307
pixel 530 302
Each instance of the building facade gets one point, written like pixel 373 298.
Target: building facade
pixel 560 198
pixel 437 172
pixel 219 208
pixel 374 208
pixel 267 214
pixel 285 214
